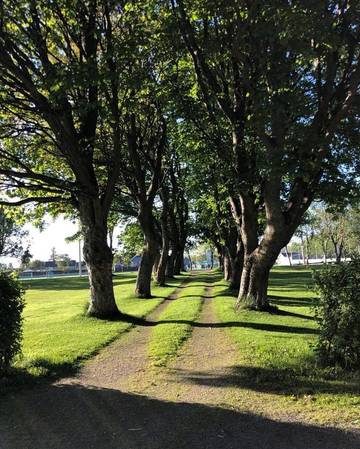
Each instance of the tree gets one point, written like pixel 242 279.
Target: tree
pixel 131 241
pixel 336 229
pixel 147 144
pixel 62 261
pixel 11 236
pixel 306 233
pixel 36 264
pixel 57 87
pixel 285 79
pixel 26 258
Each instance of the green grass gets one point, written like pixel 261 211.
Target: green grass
pixel 57 335
pixel 276 351
pixel 274 369
pixel 175 322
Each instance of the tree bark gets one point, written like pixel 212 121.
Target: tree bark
pixel 249 236
pixel 98 258
pixel 150 252
pixel 190 261
pixel 179 261
pixel 227 266
pixel 235 250
pixel 144 277
pixel 170 266
pixel 237 263
pixel 338 249
pixel 220 253
pixel 258 262
pixel 161 268
pixel 255 278
pixel 221 262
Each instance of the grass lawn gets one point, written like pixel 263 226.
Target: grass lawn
pixel 276 364
pixel 57 336
pixel 175 322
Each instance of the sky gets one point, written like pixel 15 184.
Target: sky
pixel 53 236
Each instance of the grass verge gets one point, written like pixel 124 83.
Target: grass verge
pixel 276 364
pixel 175 322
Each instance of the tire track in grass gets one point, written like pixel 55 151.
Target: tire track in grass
pixel 207 356
pixel 175 324
pixel 125 358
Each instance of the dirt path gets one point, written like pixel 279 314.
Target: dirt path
pixel 100 408
pixel 209 352
pixel 123 360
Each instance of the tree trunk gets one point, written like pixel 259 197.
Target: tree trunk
pixel 221 262
pixel 179 261
pixel 337 254
pixel 150 252
pixel 236 270
pixel 249 236
pixel 257 264
pixel 307 250
pixel 227 266
pixel 190 261
pixel 257 284
pixel 237 262
pixel 161 268
pixel 144 277
pixel 288 256
pixel 220 254
pixel 254 282
pixel 171 261
pixel 98 258
pixel 211 259
pixel 156 262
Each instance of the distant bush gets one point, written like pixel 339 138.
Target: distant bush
pixel 338 314
pixel 11 307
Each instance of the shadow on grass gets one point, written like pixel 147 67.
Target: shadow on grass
pixel 226 324
pixel 76 416
pixel 36 373
pixel 276 300
pixel 293 302
pixel 282 381
pixel 281 312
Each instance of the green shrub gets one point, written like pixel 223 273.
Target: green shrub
pixel 11 307
pixel 338 314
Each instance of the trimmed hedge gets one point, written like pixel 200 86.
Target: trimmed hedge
pixel 11 307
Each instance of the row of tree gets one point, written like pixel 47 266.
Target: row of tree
pixel 245 111
pixel 328 234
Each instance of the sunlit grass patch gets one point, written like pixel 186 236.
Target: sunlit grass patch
pixel 57 335
pixel 275 351
pixel 175 322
